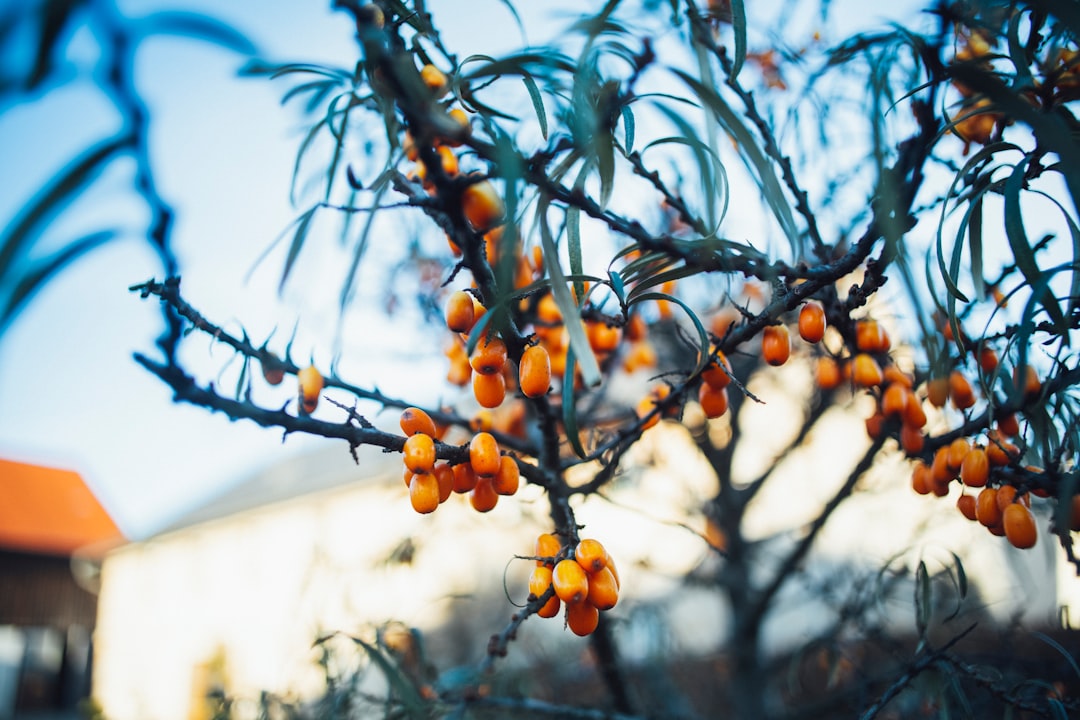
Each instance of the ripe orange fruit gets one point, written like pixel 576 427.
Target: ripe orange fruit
pixel 459 311
pixel 828 373
pixel 603 338
pixel 434 78
pixel 776 345
pixel 445 476
pixel 570 580
pixel 960 391
pixel 534 371
pixel 988 359
pixel 1074 513
pixel 484 455
pixel 508 478
pixel 1019 525
pixel 1008 425
pixel 547 546
pixel 482 206
pixel 986 509
pixel 272 369
pixel 489 390
pixel 419 453
pixel 591 555
pixel 866 372
pixel 483 497
pixel 975 467
pixel 424 492
pixel 718 372
pixel 812 322
pixel 1006 496
pixel 489 356
pixel 914 415
pixel 415 421
pixel 966 505
pixel 1031 384
pixel 603 590
pixel 539 584
pixel 464 478
pixel 893 374
pixel 958 450
pixel 713 402
pixel 894 399
pixel 937 391
pixel 1001 452
pixel 582 618
pixel 940 470
pixel 875 424
pixel 309 383
pixel 642 354
pixel 912 439
pixel 921 482
pixel 645 406
pixel 871 337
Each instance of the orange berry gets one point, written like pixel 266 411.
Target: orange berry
pixel 921 482
pixel 309 384
pixel 508 478
pixel 642 355
pixel 828 374
pixel 591 555
pixel 1019 525
pixel 1074 513
pixel 960 391
pixel 449 160
pixel 1006 496
pixel 464 478
pixel 534 371
pixel 975 468
pixel 424 492
pixel 988 359
pixel 415 421
pixel 539 584
pixel 776 345
pixel 914 415
pixel 912 439
pixel 986 509
pixel 434 78
pixel 547 546
pixel 602 338
pixel 459 311
pixel 866 372
pixel 894 375
pixel 937 391
pixel 871 337
pixel 489 356
pixel 1031 385
pixel 875 424
pixel 445 476
pixel 713 402
pixel 1008 425
pixel 966 505
pixel 958 450
pixel 1001 452
pixel 483 497
pixel 812 322
pixel 482 206
pixel 636 329
pixel 940 470
pixel 547 310
pixel 419 453
pixel 718 372
pixel 603 590
pixel 645 406
pixel 894 399
pixel 489 390
pixel 570 580
pixel 582 618
pixel 484 455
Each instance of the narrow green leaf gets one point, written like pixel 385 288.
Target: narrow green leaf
pixel 760 166
pixel 537 101
pixel 738 24
pixel 975 247
pixel 1074 233
pixel 703 336
pixel 569 406
pixel 302 226
pixel 30 282
pixel 359 250
pixel 922 598
pixel 52 198
pixel 628 128
pixel 617 286
pixel 403 688
pixel 198 26
pixel 1057 709
pixel 300 152
pixel 604 145
pixel 573 236
pixel 1018 241
pixel 1057 646
pixel 590 369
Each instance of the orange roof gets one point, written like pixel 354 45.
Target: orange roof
pixel 52 511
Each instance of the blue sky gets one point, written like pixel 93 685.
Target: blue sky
pixel 223 147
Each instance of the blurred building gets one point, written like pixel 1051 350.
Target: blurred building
pixel 53 534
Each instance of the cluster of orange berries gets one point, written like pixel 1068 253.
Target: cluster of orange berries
pixel 486 476
pixel 585 580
